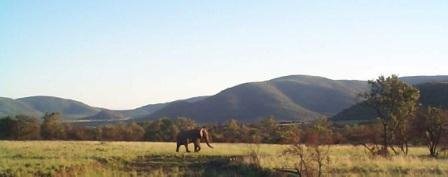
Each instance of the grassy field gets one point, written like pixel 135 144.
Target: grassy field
pixel 92 158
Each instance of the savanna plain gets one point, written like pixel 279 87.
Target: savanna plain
pixel 99 158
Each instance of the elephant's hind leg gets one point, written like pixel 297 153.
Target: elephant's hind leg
pixel 177 148
pixel 186 147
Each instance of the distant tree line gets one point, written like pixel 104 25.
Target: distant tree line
pixel 52 127
pixel 428 128
pixel 401 122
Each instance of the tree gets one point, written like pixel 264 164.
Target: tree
pixel 319 133
pixel 366 134
pixel 232 131
pixel 395 103
pixel 52 126
pixel 28 128
pixel 112 132
pixel 162 129
pixel 313 159
pixel 134 132
pixel 288 134
pixel 430 122
pixel 268 127
pixel 184 123
pixel 250 134
pixel 7 127
pixel 74 132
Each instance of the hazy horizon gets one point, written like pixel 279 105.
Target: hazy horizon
pixel 122 55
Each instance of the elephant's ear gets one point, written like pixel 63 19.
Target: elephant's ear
pixel 201 132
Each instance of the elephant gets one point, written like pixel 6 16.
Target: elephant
pixel 193 136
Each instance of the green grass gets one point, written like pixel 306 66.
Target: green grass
pixel 92 158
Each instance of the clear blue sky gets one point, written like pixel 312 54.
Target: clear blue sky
pixel 124 54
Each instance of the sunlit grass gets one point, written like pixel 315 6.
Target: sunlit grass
pixel 93 158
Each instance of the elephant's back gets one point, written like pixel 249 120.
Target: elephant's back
pixel 188 134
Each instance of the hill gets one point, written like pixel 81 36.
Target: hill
pixel 417 80
pixel 431 94
pixel 106 115
pixel 151 108
pixel 72 109
pixel 434 94
pixel 12 107
pixel 67 107
pixel 142 111
pixel 295 97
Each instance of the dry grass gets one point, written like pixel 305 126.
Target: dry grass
pixel 92 158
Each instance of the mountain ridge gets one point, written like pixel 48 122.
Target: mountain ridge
pixel 292 97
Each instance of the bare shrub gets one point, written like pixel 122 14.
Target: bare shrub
pixel 254 155
pixel 312 160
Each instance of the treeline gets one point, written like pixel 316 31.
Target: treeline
pixel 52 127
pixel 268 130
pixel 427 128
pixel 402 121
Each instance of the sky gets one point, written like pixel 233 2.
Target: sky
pixel 125 54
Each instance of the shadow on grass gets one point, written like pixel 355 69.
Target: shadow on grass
pixel 197 166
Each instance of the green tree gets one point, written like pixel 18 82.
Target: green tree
pixel 27 128
pixel 366 134
pixel 52 126
pixel 81 133
pixel 232 131
pixel 184 123
pixel 7 127
pixel 320 132
pixel 163 129
pixel 268 129
pixel 288 134
pixel 430 122
pixel 134 132
pixel 395 103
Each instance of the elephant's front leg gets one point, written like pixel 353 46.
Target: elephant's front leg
pixel 197 145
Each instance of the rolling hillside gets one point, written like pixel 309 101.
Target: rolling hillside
pixel 295 97
pixel 431 94
pixel 68 108
pixel 417 80
pixel 434 94
pixel 151 108
pixel 106 115
pixel 9 106
pixel 38 105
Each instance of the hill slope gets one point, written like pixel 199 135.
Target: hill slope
pixel 71 109
pixel 431 94
pixel 151 108
pixel 434 94
pixel 68 108
pixel 105 115
pixel 295 97
pixel 12 107
pixel 416 80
